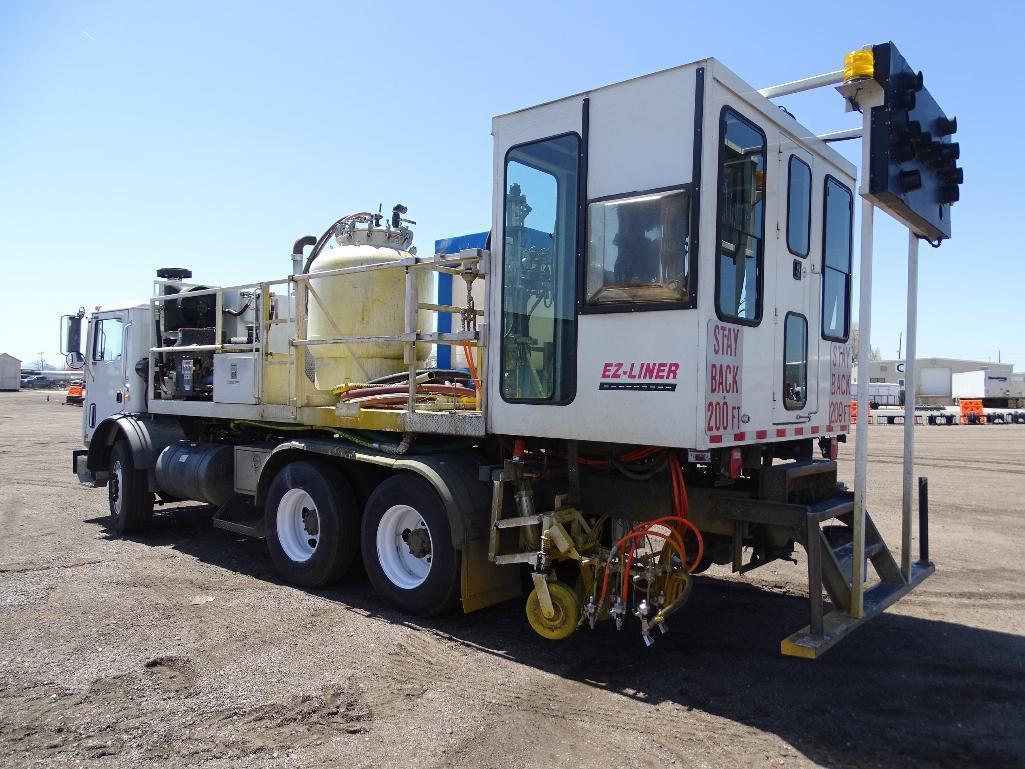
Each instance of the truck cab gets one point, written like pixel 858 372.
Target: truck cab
pixel 116 342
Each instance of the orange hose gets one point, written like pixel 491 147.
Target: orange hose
pixel 626 574
pixel 630 559
pixel 472 365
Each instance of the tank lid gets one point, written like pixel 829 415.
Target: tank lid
pixel 174 273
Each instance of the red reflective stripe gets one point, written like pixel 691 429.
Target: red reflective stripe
pixel 739 436
pixel 760 434
pixel 715 439
pixel 798 431
pixel 814 429
pixel 830 429
pixel 781 433
pixel 843 428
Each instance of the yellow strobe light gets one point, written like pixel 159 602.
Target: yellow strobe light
pixel 858 65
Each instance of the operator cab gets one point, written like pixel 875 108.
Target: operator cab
pixel 672 263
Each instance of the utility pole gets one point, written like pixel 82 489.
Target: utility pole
pixel 41 361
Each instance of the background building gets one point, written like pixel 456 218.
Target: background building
pixel 10 372
pixel 934 375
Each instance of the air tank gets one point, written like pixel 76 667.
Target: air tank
pixel 362 304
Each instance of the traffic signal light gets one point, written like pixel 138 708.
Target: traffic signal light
pixel 913 171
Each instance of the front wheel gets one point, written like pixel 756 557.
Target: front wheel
pixel 407 547
pixel 312 524
pixel 128 496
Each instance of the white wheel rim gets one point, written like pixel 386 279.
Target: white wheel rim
pixel 404 547
pixel 298 525
pixel 118 481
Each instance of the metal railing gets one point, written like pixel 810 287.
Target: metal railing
pixel 470 264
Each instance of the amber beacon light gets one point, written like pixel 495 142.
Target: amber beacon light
pixel 858 65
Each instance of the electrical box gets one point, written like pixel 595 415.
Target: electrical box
pixel 234 378
pixel 248 463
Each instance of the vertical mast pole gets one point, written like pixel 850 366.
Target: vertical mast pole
pixel 861 436
pixel 910 388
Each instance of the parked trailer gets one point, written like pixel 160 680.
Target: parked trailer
pixel 993 388
pixel 880 393
pixel 647 379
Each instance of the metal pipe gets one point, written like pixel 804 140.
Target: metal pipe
pixel 839 136
pixel 856 609
pixel 923 519
pixel 910 389
pixel 297 251
pixel 807 84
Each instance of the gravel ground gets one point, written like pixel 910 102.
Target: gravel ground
pixel 181 648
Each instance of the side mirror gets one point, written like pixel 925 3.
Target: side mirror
pixel 72 342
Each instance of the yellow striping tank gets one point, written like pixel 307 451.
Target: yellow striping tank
pixel 362 304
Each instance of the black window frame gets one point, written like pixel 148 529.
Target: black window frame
pixel 850 260
pixel 575 273
pixel 692 257
pixel 811 180
pixel 98 332
pixel 783 395
pixel 760 261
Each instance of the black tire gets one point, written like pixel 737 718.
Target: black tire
pixel 128 495
pixel 439 589
pixel 334 527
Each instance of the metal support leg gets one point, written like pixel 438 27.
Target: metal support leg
pixel 910 389
pixel 814 547
pixel 923 520
pixel 856 608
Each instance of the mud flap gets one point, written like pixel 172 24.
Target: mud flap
pixel 484 583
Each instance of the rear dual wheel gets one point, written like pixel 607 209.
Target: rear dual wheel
pixel 314 533
pixel 407 547
pixel 312 524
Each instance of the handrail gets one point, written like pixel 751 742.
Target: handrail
pixel 299 289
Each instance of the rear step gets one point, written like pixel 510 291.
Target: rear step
pixel 802 496
pixel 830 567
pixel 239 516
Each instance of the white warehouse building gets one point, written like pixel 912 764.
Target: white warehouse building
pixel 935 375
pixel 10 372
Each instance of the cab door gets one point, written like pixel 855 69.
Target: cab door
pixel 795 379
pixel 105 373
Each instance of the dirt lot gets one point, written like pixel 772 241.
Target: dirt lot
pixel 182 648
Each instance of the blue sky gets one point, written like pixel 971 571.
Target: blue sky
pixel 211 135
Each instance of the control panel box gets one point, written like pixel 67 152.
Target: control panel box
pixel 234 378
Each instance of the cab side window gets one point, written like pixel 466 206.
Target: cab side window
pixel 836 261
pixel 798 206
pixel 741 220
pixel 539 271
pixel 795 362
pixel 107 339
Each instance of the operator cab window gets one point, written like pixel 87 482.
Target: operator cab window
pixel 795 362
pixel 741 220
pixel 836 261
pixel 798 207
pixel 638 249
pixel 539 271
pixel 107 335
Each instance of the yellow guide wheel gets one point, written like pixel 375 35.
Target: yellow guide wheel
pixel 566 617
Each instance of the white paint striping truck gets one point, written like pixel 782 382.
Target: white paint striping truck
pixel 662 350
